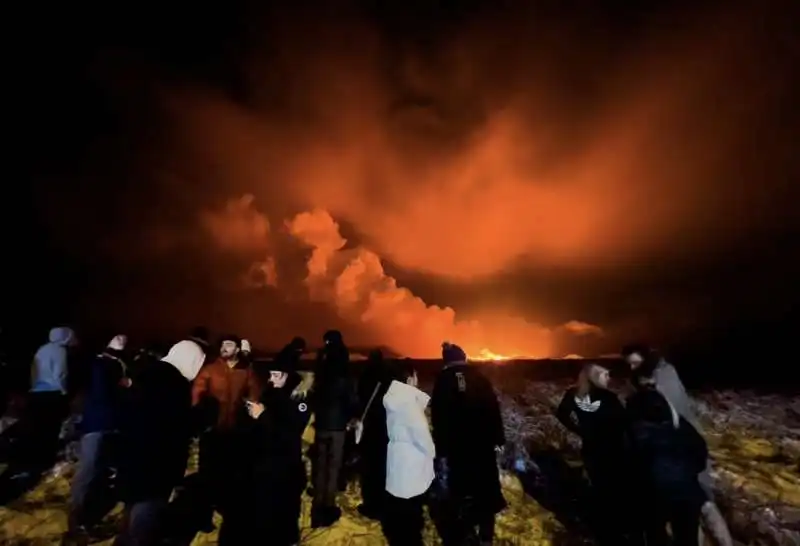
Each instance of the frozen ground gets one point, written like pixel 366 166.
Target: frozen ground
pixel 755 441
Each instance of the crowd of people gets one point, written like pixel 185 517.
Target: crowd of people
pixel 646 459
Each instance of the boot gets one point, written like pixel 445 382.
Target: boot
pixel 715 525
pixel 324 516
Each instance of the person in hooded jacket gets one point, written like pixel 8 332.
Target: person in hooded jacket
pixel 595 414
pixel 268 506
pixel 668 455
pixel 102 408
pixel 47 406
pixel 468 432
pixel 335 407
pixel 372 387
pixel 646 362
pixel 409 459
pixel 224 385
pixel 156 432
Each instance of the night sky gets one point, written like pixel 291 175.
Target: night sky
pixel 564 179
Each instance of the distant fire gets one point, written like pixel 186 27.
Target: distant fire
pixel 485 355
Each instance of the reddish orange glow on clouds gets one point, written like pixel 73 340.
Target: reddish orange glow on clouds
pixel 465 163
pixel 353 282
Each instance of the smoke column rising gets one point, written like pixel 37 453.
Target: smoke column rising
pixel 509 141
pixel 353 282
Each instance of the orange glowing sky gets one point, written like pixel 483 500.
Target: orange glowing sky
pixel 335 169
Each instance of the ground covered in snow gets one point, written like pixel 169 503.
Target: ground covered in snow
pixel 755 441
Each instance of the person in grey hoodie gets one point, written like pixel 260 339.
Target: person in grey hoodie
pixel 669 384
pixel 47 407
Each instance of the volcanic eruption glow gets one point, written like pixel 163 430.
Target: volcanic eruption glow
pixel 485 355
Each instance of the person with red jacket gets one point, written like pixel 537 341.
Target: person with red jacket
pixel 222 386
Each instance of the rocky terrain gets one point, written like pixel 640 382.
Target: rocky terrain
pixel 755 441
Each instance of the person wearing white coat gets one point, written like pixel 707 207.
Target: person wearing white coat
pixel 409 459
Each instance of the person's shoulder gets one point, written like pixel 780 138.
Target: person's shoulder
pixel 608 395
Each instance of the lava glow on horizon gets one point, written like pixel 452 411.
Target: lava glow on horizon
pixel 485 355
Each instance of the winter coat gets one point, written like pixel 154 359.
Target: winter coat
pixel 599 419
pixel 227 387
pixel 49 373
pixel 278 439
pixel 375 376
pixel 668 452
pixel 467 427
pixel 334 391
pixel 105 397
pixel 410 453
pixel 158 425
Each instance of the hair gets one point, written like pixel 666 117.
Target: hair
pixel 403 370
pixel 640 348
pixel 230 337
pixel 584 382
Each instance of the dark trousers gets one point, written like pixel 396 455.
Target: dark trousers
pixel 329 457
pixel 271 514
pixel 373 473
pixel 456 528
pixel 609 493
pixel 402 521
pixel 143 523
pixel 219 462
pixel 683 519
pixel 91 486
pixel 40 430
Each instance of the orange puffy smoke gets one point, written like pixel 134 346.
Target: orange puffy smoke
pixel 486 152
pixel 353 282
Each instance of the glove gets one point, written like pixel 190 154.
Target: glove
pixel 441 483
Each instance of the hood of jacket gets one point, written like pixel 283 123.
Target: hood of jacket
pixel 401 395
pixel 61 335
pixel 187 357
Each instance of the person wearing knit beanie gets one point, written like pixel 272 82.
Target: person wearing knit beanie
pixel 452 353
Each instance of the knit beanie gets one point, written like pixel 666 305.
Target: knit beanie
pixel 452 353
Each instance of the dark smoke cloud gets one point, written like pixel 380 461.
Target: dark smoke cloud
pixel 461 153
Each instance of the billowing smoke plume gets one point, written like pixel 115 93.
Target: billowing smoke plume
pixel 353 282
pixel 570 166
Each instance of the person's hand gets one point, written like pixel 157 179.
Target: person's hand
pixel 499 450
pixel 255 409
pixel 125 382
pixel 299 393
pixel 353 424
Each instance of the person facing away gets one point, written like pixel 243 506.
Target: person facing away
pixel 595 414
pixel 270 498
pixel 335 406
pixel 222 385
pixel 47 406
pixel 409 459
pixel 49 372
pixel 372 387
pixel 667 381
pixel 468 431
pixel 102 409
pixel 156 432
pixel 668 455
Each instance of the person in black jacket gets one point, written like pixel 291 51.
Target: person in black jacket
pixel 156 432
pixel 335 407
pixel 372 387
pixel 468 432
pixel 270 499
pixel 102 408
pixel 668 455
pixel 595 414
